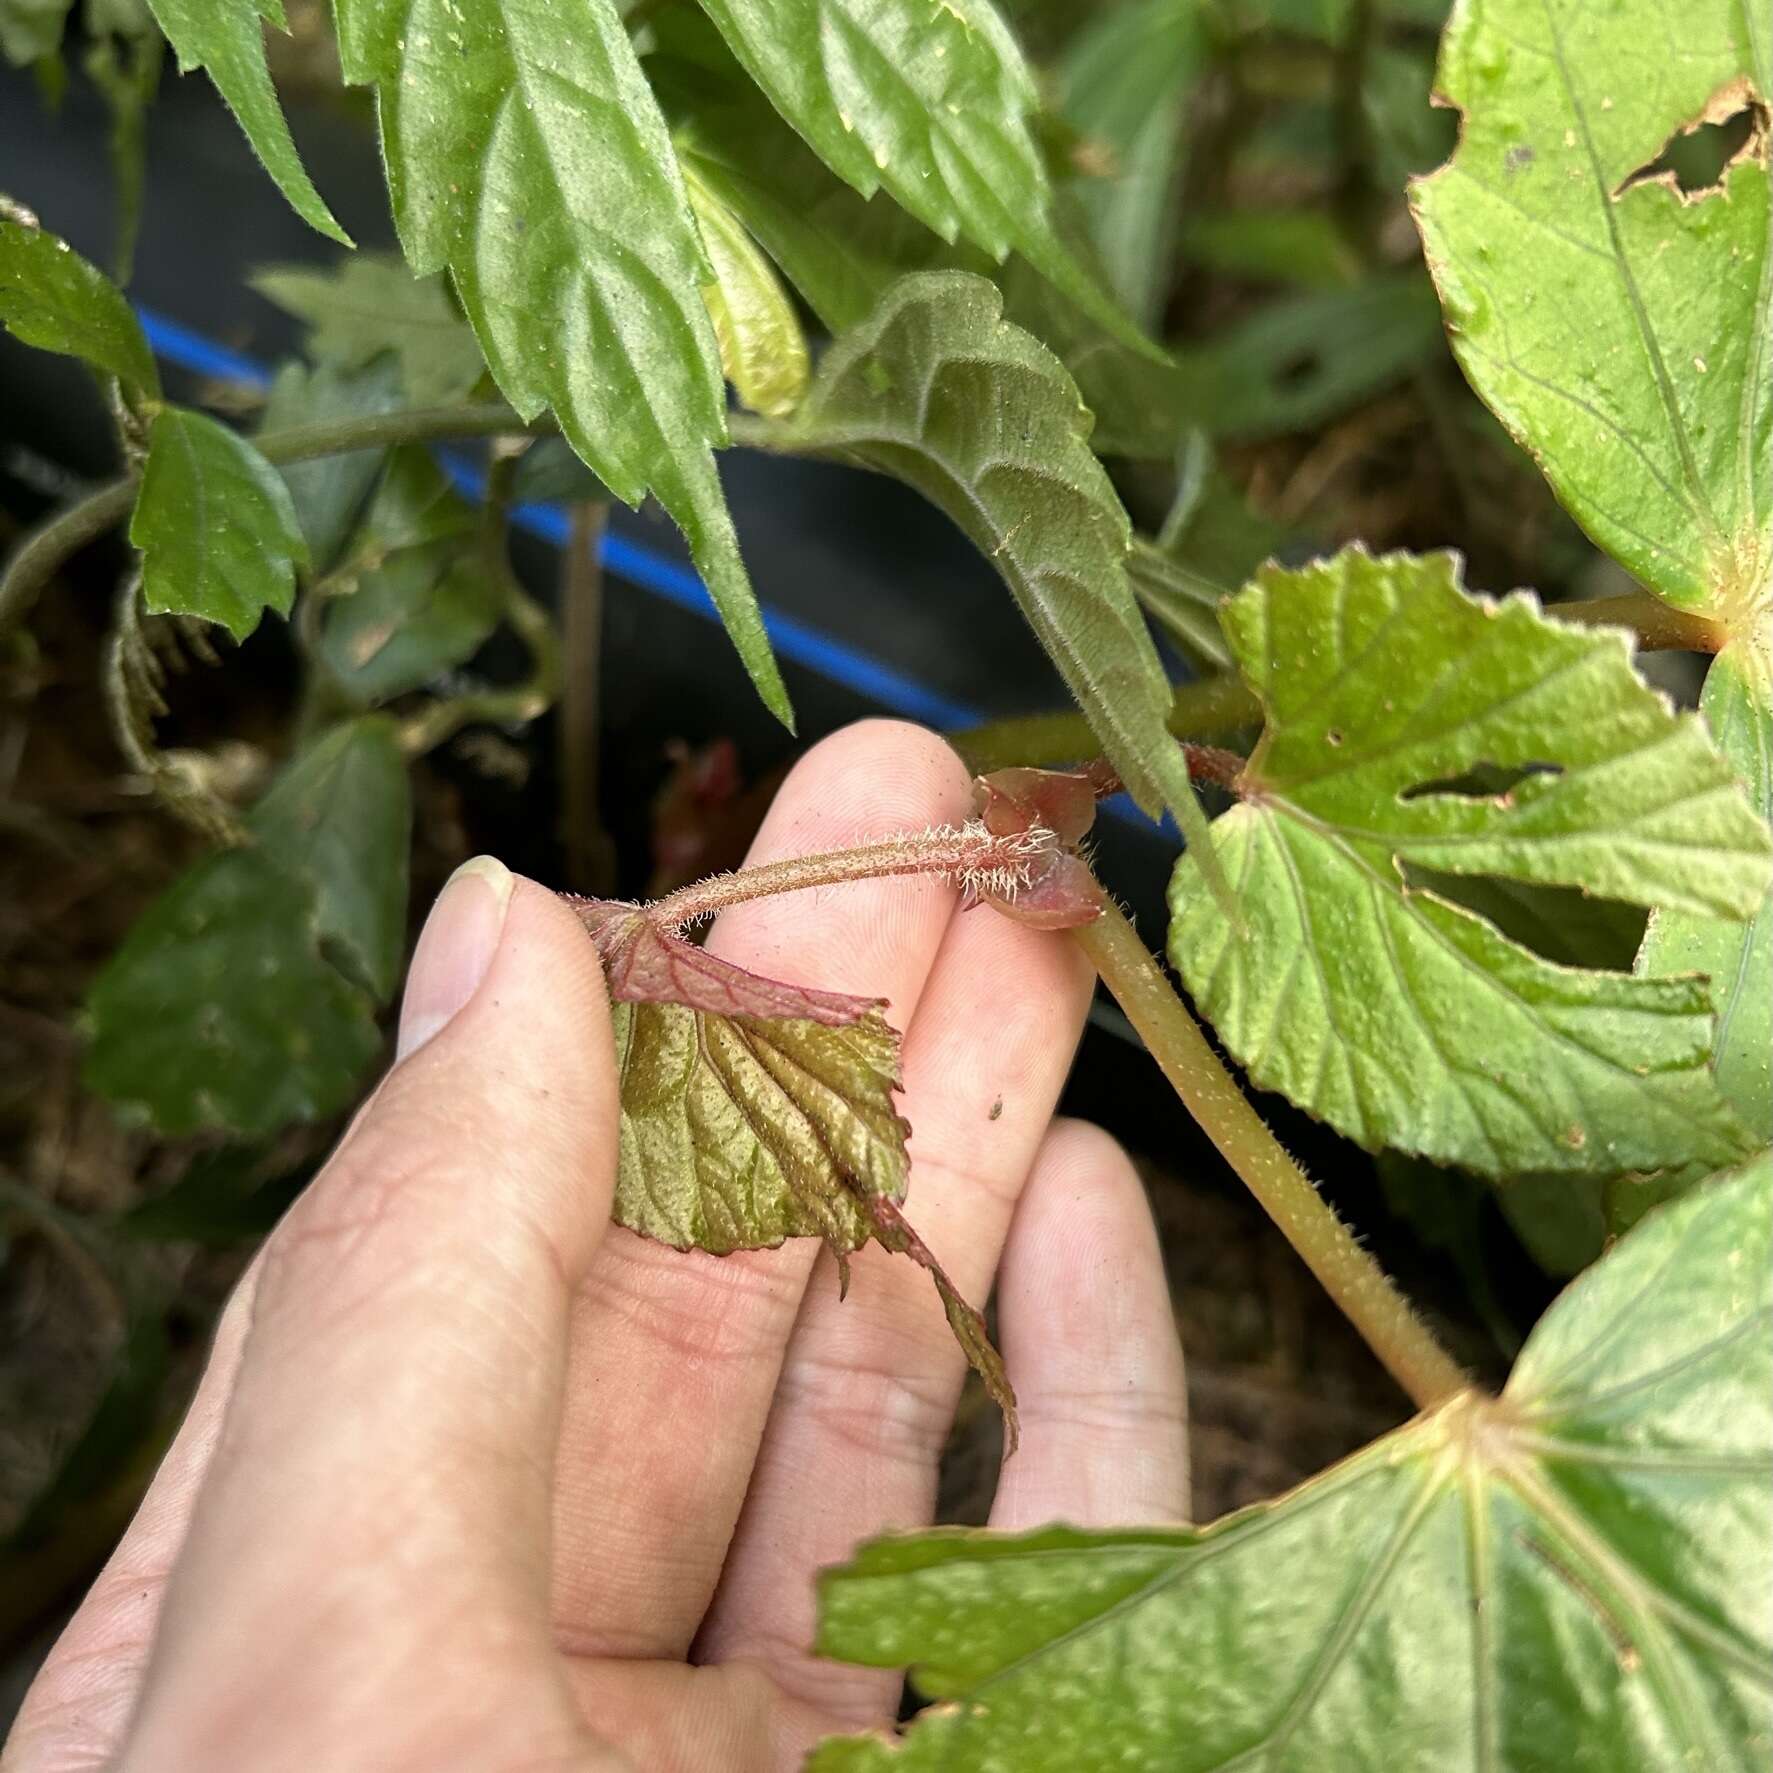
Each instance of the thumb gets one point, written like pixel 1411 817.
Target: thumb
pixel 378 1501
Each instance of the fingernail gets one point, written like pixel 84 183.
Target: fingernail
pixel 456 947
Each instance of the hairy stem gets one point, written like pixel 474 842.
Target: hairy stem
pixel 1349 1275
pixel 1211 706
pixel 1659 626
pixel 46 548
pixel 959 851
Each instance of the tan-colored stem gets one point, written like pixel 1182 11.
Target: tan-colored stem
pixel 1659 626
pixel 1365 1294
pixel 958 851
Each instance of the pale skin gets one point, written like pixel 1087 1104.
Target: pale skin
pixel 474 1479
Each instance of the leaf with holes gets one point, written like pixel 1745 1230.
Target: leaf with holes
pixel 1406 1020
pixel 940 391
pixel 933 103
pixel 229 40
pixel 754 1111
pixel 1621 327
pixel 54 299
pixel 1576 1574
pixel 216 525
pixel 526 153
pixel 1737 703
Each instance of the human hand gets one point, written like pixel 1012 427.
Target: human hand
pixel 475 1480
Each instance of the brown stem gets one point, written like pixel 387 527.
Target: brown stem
pixel 1351 1277
pixel 953 850
pixel 1659 626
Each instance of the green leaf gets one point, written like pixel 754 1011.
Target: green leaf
pixel 1621 331
pixel 762 349
pixel 372 303
pixel 1124 81
pixel 1184 602
pixel 525 151
pixel 341 815
pixel 330 493
pixel 1302 361
pixel 1574 1575
pixel 1737 703
pixel 219 1010
pixel 400 625
pixel 1299 246
pixel 216 525
pixel 228 38
pixel 930 102
pixel 412 598
pixel 54 299
pixel 1403 1019
pixel 938 390
pixel 31 30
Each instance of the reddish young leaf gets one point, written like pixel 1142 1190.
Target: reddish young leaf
pixel 1056 890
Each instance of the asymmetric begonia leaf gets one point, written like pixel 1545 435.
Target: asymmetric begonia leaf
pixel 216 525
pixel 1737 703
pixel 341 814
pixel 1620 327
pixel 1399 1017
pixel 1575 1575
pixel 940 391
pixel 219 1011
pixel 54 299
pixel 227 37
pixel 527 154
pixel 754 1111
pixel 933 103
pixel 371 303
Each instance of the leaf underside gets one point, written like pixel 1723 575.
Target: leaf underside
pixel 940 391
pixel 527 155
pixel 1622 330
pixel 1406 1020
pixel 1578 1575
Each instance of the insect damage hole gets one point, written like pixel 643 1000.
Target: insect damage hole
pixel 1696 159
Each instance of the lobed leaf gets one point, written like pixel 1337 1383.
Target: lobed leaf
pixel 933 103
pixel 216 525
pixel 1578 1574
pixel 228 38
pixel 940 391
pixel 526 153
pixel 1410 1021
pixel 219 1010
pixel 54 299
pixel 1737 703
pixel 1620 327
pixel 371 303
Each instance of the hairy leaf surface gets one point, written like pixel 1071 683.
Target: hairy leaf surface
pixel 1621 329
pixel 341 814
pixel 1576 1575
pixel 931 102
pixel 526 153
pixel 54 299
pixel 940 391
pixel 1399 1017
pixel 219 1011
pixel 216 525
pixel 227 37
pixel 372 303
pixel 1737 703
